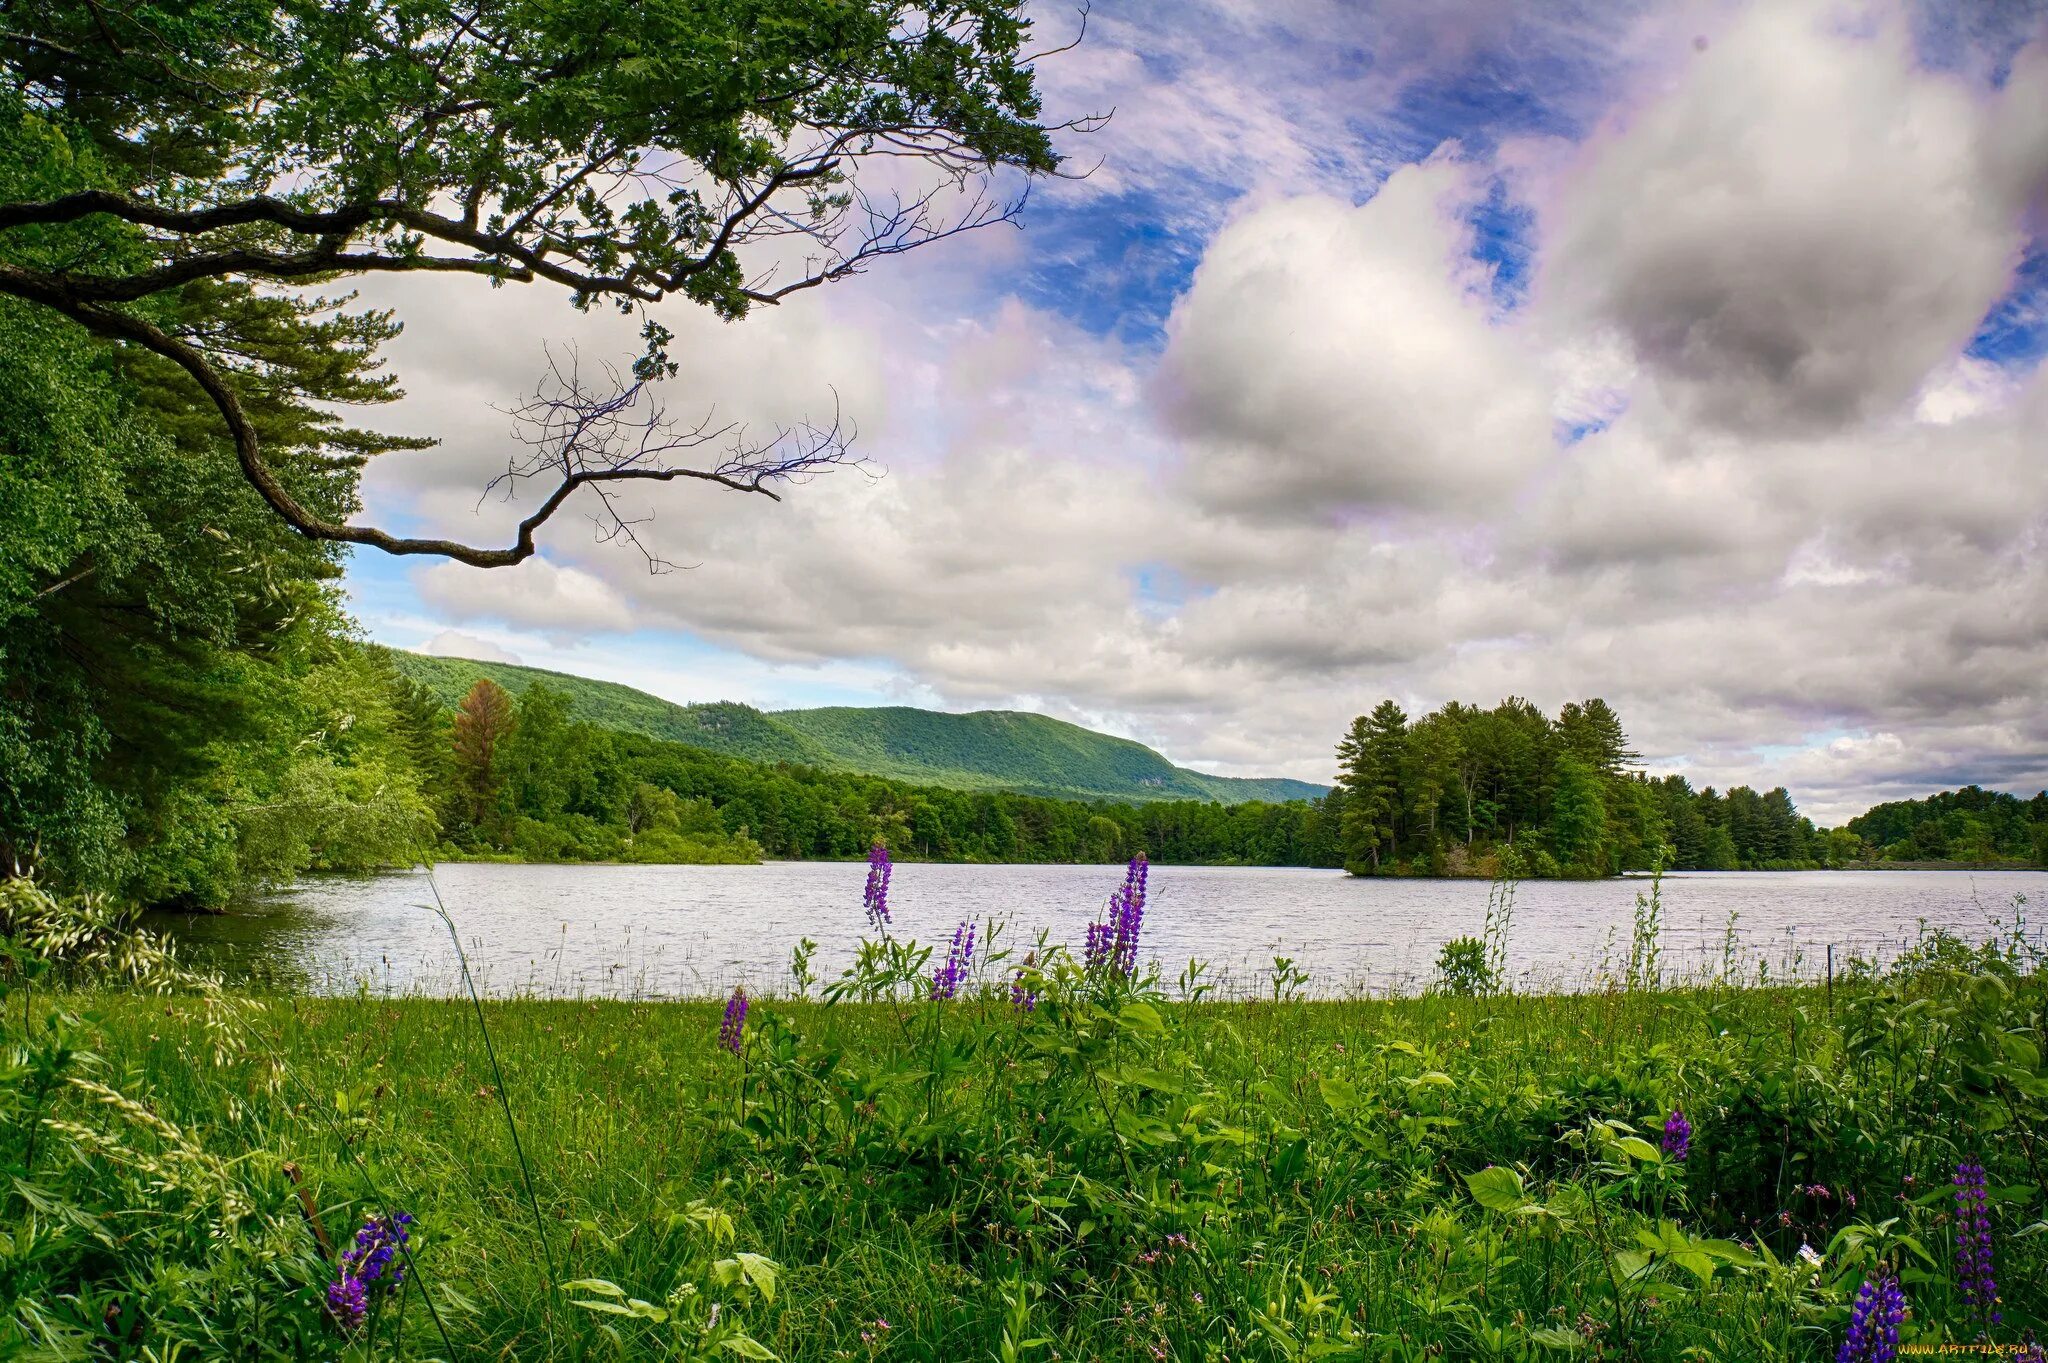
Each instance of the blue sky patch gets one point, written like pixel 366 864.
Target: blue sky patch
pixel 2015 332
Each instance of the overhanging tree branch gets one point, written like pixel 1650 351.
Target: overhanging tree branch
pixel 635 162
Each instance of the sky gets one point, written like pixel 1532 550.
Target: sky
pixel 1683 355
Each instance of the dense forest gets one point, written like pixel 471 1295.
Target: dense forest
pixel 179 700
pixel 524 777
pixel 1971 825
pixel 1452 792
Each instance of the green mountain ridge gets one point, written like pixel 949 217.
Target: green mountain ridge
pixel 982 750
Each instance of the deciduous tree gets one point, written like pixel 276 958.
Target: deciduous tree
pixel 728 156
pixel 483 725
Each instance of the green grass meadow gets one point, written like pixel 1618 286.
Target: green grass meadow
pixel 1124 1171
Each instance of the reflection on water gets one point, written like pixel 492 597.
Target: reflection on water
pixel 695 931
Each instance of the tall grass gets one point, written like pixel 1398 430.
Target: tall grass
pixel 1126 1171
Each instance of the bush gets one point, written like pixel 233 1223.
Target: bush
pixel 1463 968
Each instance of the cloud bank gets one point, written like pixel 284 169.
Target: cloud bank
pixel 1686 357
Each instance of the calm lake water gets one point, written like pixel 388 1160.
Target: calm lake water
pixel 694 931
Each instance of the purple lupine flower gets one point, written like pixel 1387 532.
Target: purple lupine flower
pixel 1677 1136
pixel 1874 1321
pixel 876 898
pixel 733 1028
pixel 348 1301
pixel 1128 910
pixel 377 1243
pixel 1022 999
pixel 2031 1352
pixel 959 955
pixel 1095 954
pixel 364 1265
pixel 1974 1281
pixel 1113 942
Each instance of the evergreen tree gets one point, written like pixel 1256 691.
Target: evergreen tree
pixel 1371 760
pixel 1432 756
pixel 1592 733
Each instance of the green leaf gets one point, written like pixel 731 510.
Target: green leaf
pixel 597 1285
pixel 1497 1189
pixel 1340 1094
pixel 1989 1116
pixel 1153 1079
pixel 746 1346
pixel 1141 1018
pixel 1640 1149
pixel 1557 1337
pixel 760 1272
pixel 1293 1158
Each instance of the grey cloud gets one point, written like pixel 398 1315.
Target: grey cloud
pixel 1797 231
pixel 1330 357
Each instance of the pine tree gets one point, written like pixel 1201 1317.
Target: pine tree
pixel 1592 733
pixel 1372 757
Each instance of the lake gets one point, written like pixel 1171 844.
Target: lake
pixel 695 931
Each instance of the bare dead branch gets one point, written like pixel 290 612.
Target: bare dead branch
pixel 592 451
pixel 579 434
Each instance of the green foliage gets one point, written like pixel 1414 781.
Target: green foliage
pixel 1463 968
pixel 1971 825
pixel 1373 758
pixel 512 110
pixel 700 1317
pixel 165 713
pixel 1578 816
pixel 1126 1172
pixel 986 750
pixel 1461 789
pixel 125 1233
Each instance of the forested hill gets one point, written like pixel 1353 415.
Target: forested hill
pixel 985 750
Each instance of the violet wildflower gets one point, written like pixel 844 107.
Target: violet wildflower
pixel 1973 1243
pixel 876 899
pixel 1113 944
pixel 947 978
pixel 1677 1136
pixel 2031 1352
pixel 1128 912
pixel 377 1244
pixel 1096 954
pixel 364 1265
pixel 1022 998
pixel 1874 1321
pixel 734 1027
pixel 348 1301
